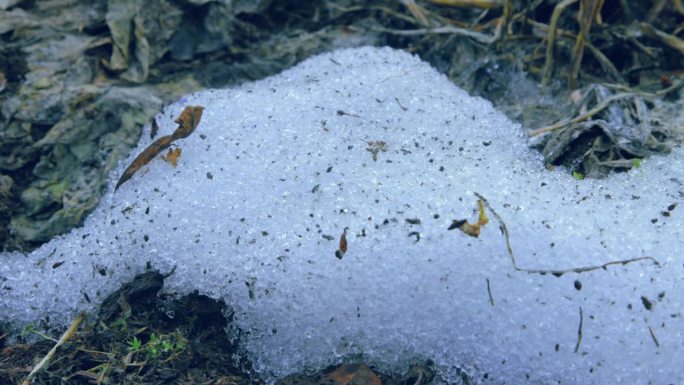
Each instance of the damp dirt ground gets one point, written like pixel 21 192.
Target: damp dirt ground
pixel 133 340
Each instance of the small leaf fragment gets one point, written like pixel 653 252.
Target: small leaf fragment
pixel 342 249
pixel 474 229
pixel 172 156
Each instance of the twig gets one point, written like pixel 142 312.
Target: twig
pixel 654 337
pixel 579 331
pixel 554 272
pixel 489 291
pixel 65 337
pixel 670 40
pixel 605 103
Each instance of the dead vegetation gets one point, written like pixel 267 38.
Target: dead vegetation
pixel 606 75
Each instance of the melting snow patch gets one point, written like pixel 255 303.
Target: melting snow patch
pixel 375 144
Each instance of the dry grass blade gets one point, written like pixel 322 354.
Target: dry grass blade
pixel 448 29
pixel 588 11
pixel 679 6
pixel 605 103
pixel 65 337
pixel 417 12
pixel 187 123
pixel 547 71
pixel 551 39
pixel 669 40
pixel 484 4
pixel 655 10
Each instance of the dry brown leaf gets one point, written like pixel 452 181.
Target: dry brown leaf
pixel 172 156
pixel 187 123
pixel 343 245
pixel 359 374
pixel 144 158
pixel 474 229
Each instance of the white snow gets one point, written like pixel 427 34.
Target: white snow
pixel 278 168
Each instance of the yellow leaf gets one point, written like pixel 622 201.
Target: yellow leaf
pixel 474 229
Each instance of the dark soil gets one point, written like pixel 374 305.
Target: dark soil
pixel 195 346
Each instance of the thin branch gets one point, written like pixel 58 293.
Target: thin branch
pixel 655 340
pixel 603 105
pixel 554 272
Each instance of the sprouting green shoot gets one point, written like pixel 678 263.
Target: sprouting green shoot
pixel 134 345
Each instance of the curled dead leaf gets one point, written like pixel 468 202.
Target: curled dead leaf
pixel 144 158
pixel 187 123
pixel 472 230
